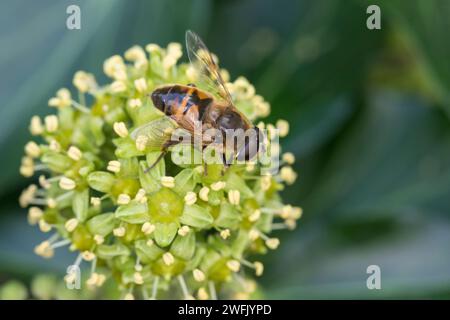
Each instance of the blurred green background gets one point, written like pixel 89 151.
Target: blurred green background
pixel 369 113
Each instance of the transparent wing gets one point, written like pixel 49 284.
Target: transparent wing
pixel 156 133
pixel 206 68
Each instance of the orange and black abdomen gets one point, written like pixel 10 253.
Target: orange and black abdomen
pixel 178 101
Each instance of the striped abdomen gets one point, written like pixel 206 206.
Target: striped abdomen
pixel 179 101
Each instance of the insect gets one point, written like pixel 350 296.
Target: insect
pixel 187 107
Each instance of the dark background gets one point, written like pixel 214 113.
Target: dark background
pixel 369 113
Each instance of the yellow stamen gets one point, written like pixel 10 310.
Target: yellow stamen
pixel 67 183
pixel 114 166
pixel 51 123
pixel 203 193
pixel 168 182
pixel 119 232
pixel 71 224
pixel 234 196
pixel 74 153
pixel 168 258
pixel 224 234
pixel 123 199
pixel 141 142
pixel 190 198
pixel 198 274
pixel 184 230
pixel 233 265
pixel 148 228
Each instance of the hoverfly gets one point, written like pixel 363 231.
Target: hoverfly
pixel 187 106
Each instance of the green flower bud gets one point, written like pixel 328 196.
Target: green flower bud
pixel 165 206
pixel 160 268
pixel 125 185
pixel 82 238
pixel 132 232
pixel 51 216
pixel 215 266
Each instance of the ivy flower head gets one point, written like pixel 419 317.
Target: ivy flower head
pixel 185 225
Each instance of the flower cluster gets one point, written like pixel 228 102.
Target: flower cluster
pixel 172 232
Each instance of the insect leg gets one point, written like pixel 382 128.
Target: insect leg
pixel 164 150
pixel 161 155
pixel 226 164
pixel 205 165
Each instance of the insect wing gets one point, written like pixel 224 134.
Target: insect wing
pixel 156 132
pixel 206 68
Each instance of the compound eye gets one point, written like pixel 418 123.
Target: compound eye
pixel 230 120
pixel 158 101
